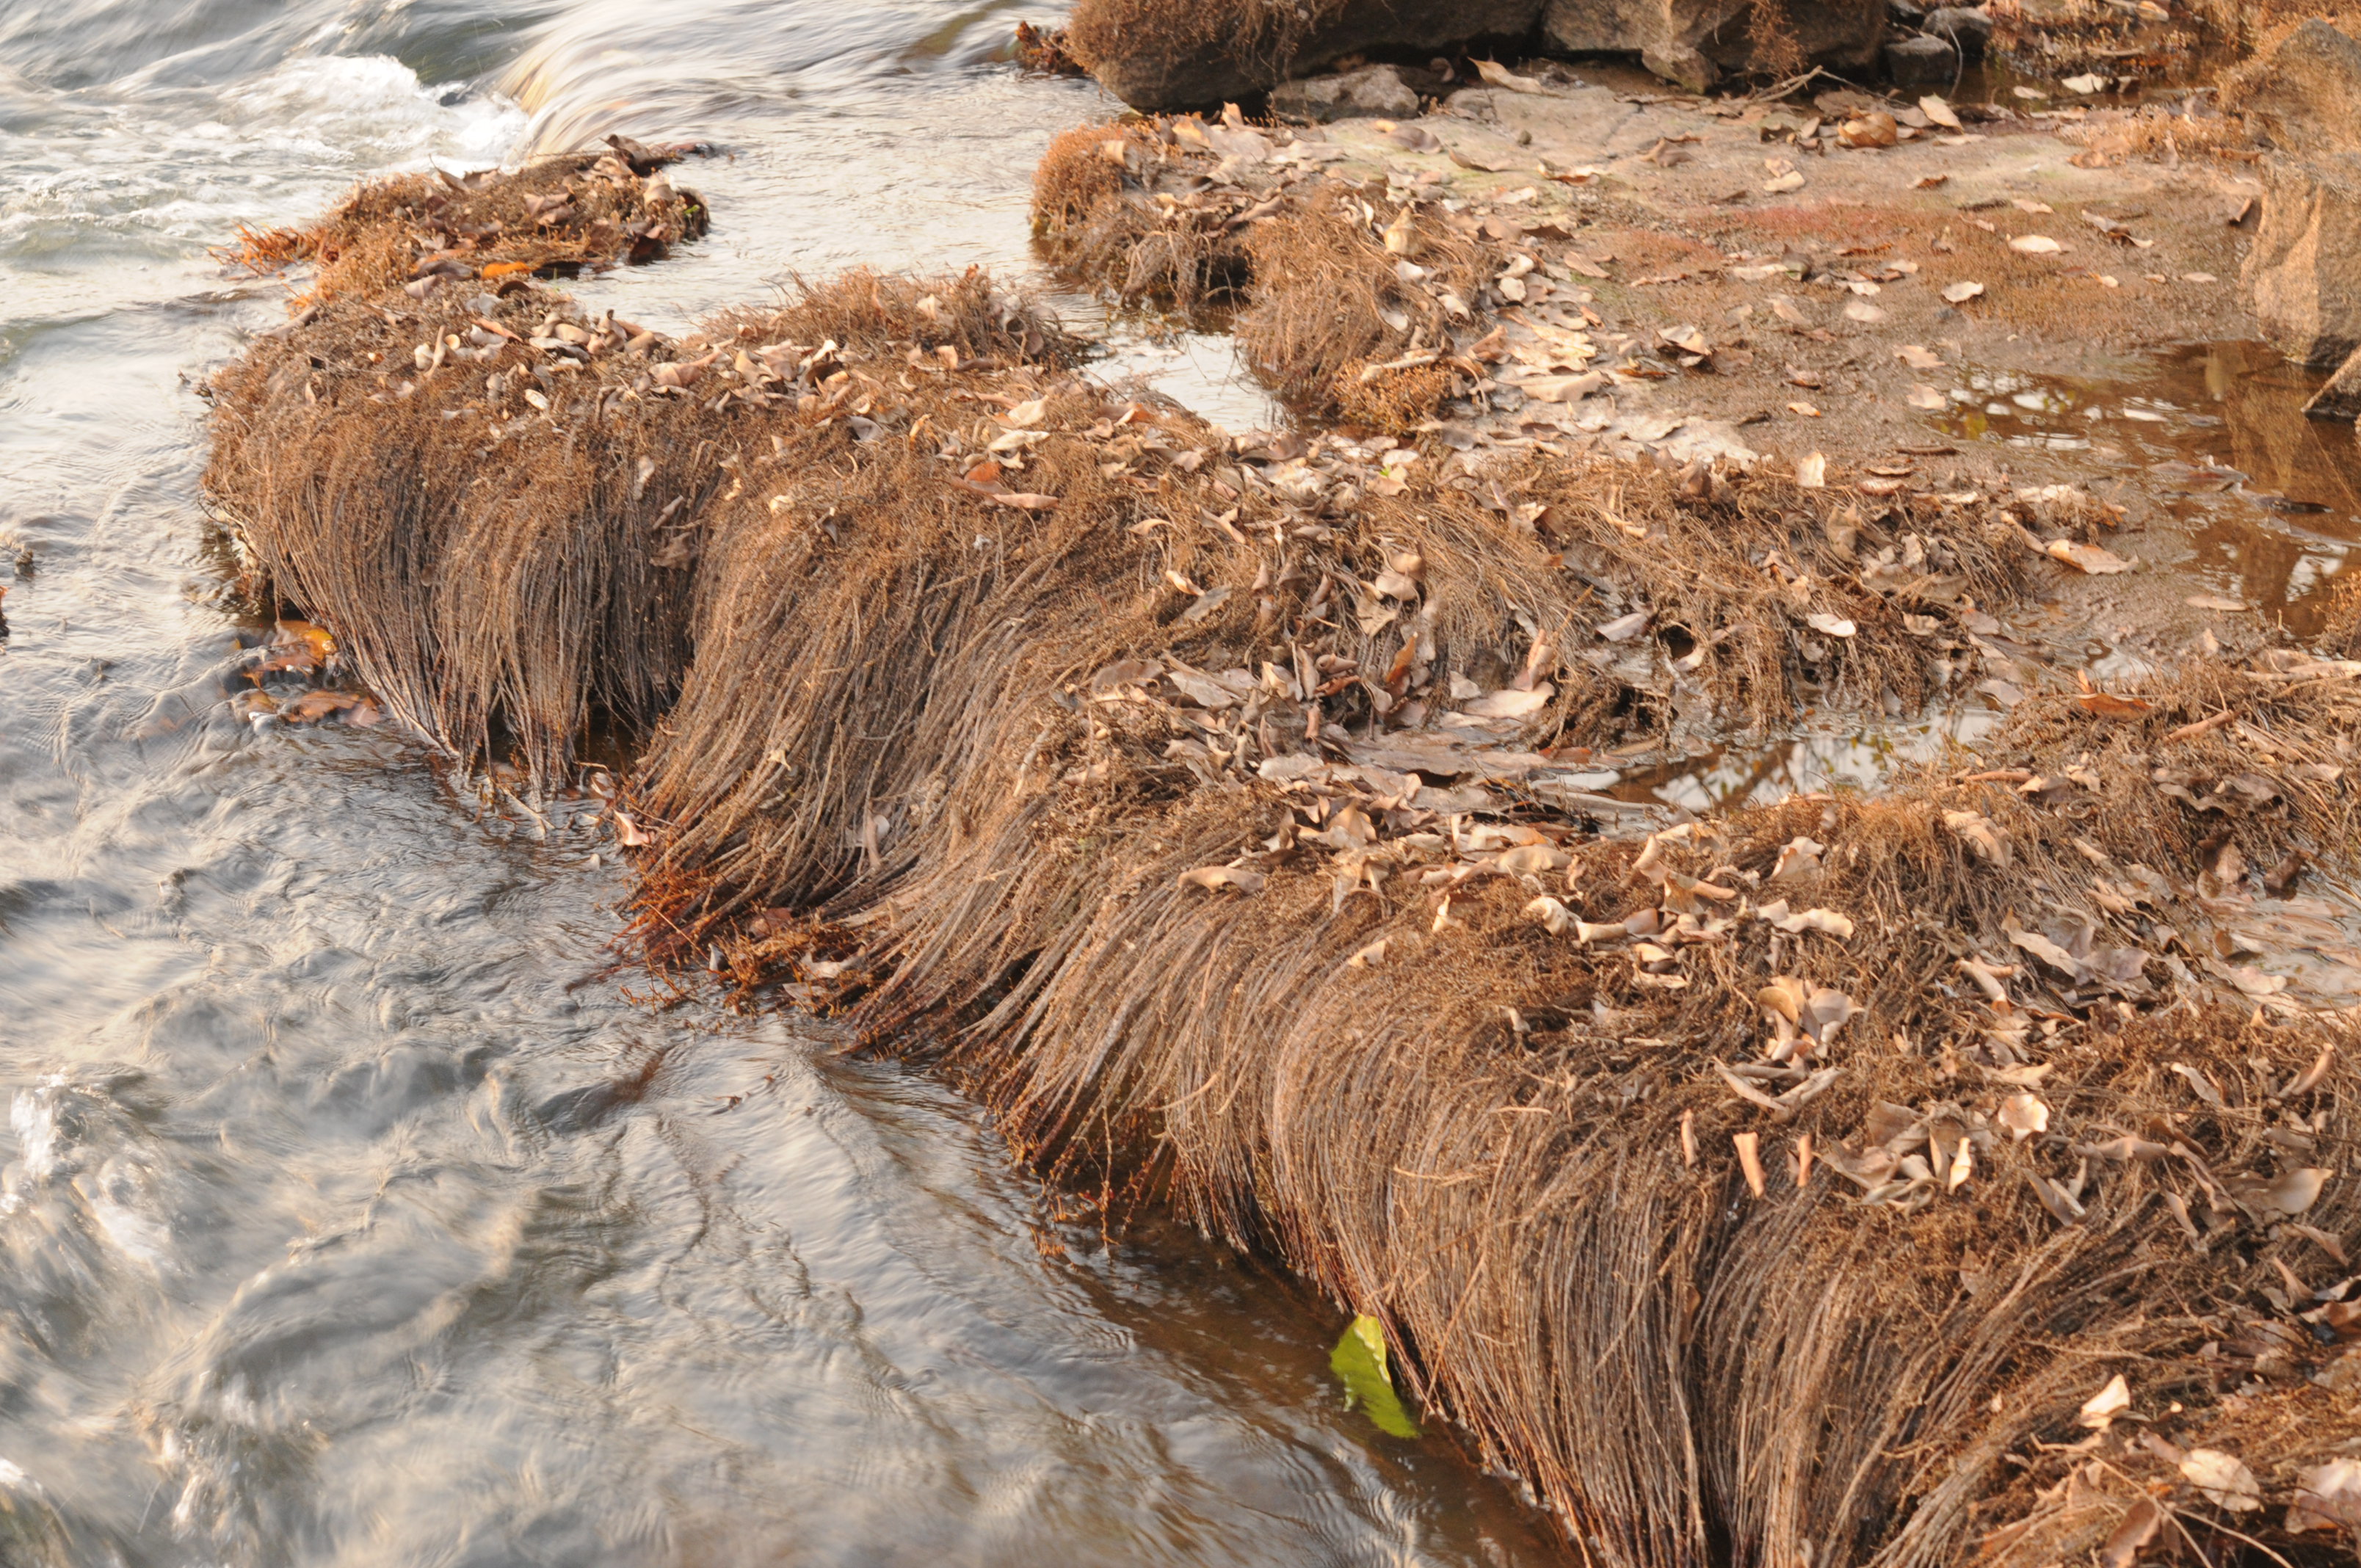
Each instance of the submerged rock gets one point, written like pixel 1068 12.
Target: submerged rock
pixel 1155 55
pixel 1377 90
pixel 1695 42
pixel 2340 398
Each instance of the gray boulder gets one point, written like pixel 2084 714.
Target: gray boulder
pixel 2303 272
pixel 1922 60
pixel 1695 42
pixel 1967 27
pixel 1377 91
pixel 1194 54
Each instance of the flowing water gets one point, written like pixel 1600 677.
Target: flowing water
pixel 350 1212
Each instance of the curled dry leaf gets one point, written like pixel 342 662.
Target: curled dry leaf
pixel 1369 956
pixel 1511 704
pixel 1024 501
pixel 2226 1483
pixel 1623 628
pixel 1918 357
pixel 1941 113
pixel 1980 834
pixel 1875 128
pixel 1960 294
pixel 2107 705
pixel 1862 311
pixel 2036 245
pixel 1833 625
pixel 1750 1159
pixel 1798 858
pixel 1219 877
pixel 1498 75
pixel 1823 920
pixel 1554 916
pixel 1812 472
pixel 1532 860
pixel 2086 558
pixel 1780 184
pixel 2023 1115
pixel 1925 396
pixel 627 833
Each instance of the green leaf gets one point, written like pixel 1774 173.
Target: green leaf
pixel 1359 1359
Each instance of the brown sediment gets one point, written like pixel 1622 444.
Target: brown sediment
pixel 1214 807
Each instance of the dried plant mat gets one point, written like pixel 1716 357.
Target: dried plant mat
pixel 1846 1146
pixel 427 233
pixel 1051 733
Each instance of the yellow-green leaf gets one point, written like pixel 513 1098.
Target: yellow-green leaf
pixel 1359 1359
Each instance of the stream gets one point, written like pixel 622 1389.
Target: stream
pixel 351 1211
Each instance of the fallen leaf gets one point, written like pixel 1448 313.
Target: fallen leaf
pixel 1750 1159
pixel 1960 294
pixel 2198 277
pixel 2328 1496
pixel 1929 182
pixel 1511 704
pixel 1875 128
pixel 2107 705
pixel 1812 472
pixel 1863 312
pixel 2086 557
pixel 1024 416
pixel 2099 1410
pixel 1371 956
pixel 1980 834
pixel 1937 110
pixel 1918 357
pixel 1359 1363
pixel 1925 396
pixel 2036 245
pixel 2136 1529
pixel 2086 84
pixel 1499 75
pixel 1798 858
pixel 627 833
pixel 1218 877
pixel 2025 1116
pixel 1780 184
pixel 1623 628
pixel 2226 1483
pixel 1834 625
pixel 2215 601
pixel 1806 410
pixel 1023 501
pixel 2028 204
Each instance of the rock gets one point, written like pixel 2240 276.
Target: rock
pixel 1192 54
pixel 1377 90
pixel 2303 91
pixel 1695 42
pixel 1923 61
pixel 2302 272
pixel 1967 27
pixel 2340 398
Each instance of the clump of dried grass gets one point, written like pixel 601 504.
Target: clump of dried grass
pixel 1096 216
pixel 1132 773
pixel 427 232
